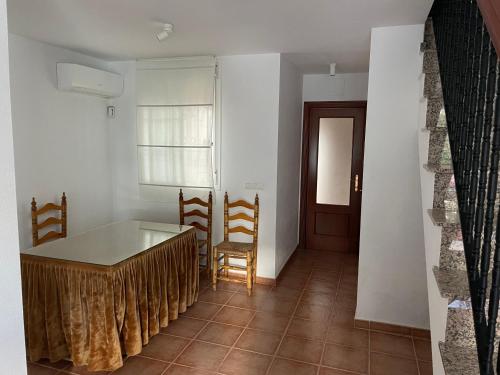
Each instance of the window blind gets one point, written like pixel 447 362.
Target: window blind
pixel 175 116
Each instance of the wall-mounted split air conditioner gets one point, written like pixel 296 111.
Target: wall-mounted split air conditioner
pixel 83 79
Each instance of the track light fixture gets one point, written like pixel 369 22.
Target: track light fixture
pixel 166 31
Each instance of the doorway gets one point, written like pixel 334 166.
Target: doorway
pixel 332 175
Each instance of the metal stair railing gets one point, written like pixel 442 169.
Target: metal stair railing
pixel 469 71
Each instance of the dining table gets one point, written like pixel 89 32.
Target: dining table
pixel 99 296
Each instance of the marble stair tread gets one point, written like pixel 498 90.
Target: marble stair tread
pixel 437 129
pixel 442 217
pixel 459 360
pixel 427 45
pixel 452 284
pixel 439 168
pixel 429 40
pixel 431 63
pixel 429 29
pixel 435 115
pixel 460 325
pixel 452 260
pixel 432 86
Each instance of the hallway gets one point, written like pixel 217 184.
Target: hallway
pixel 304 326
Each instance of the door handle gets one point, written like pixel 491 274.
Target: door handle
pixel 356 184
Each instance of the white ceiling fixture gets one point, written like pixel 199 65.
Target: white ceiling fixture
pixel 329 30
pixel 333 67
pixel 165 32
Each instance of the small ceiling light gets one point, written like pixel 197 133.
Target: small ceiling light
pixel 333 67
pixel 167 30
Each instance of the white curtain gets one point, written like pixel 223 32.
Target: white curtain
pixel 175 104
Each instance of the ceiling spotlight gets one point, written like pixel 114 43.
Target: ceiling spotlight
pixel 333 69
pixel 167 29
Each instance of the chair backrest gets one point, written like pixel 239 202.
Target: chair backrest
pixel 228 217
pixel 197 214
pixel 50 221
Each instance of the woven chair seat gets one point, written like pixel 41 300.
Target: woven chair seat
pixel 235 248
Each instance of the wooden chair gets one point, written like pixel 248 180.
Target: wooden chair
pixel 196 213
pixel 50 221
pixel 227 249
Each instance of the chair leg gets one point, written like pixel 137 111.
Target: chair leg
pixel 254 266
pixel 209 261
pixel 215 266
pixel 249 273
pixel 226 263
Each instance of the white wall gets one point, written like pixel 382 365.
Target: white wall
pixel 342 87
pixel 67 139
pixel 392 276
pixel 249 113
pixel 12 349
pixel 249 105
pixel 288 174
pixel 60 139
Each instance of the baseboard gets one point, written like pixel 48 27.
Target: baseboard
pixel 241 276
pixel 265 281
pixel 392 329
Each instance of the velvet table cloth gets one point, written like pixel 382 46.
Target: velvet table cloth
pixel 94 314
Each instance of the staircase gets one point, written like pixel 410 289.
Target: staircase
pixel 452 325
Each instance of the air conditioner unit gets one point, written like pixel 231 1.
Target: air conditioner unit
pixel 83 79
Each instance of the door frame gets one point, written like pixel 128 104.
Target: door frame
pixel 308 106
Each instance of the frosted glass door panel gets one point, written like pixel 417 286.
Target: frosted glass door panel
pixel 334 161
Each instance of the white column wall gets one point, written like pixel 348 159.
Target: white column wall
pixel 392 284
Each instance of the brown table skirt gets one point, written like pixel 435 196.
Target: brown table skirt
pixel 96 314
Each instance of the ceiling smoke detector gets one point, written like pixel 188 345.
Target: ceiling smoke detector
pixel 167 30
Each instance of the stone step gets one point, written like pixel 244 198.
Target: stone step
pixel 439 154
pixel 435 115
pixel 460 325
pixel 439 129
pixel 444 218
pixel 427 45
pixel 452 256
pixel 439 168
pixel 432 86
pixel 429 40
pixel 445 195
pixel 439 148
pixel 459 360
pixel 428 29
pixel 431 62
pixel 452 284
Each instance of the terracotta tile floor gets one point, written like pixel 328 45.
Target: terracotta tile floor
pixel 303 326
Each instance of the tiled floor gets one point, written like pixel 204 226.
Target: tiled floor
pixel 304 326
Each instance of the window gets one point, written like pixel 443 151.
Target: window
pixel 175 122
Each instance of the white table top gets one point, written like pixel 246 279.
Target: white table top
pixel 109 244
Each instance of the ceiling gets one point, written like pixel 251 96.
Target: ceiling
pixel 312 33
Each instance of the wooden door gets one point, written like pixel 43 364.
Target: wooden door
pixel 332 175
